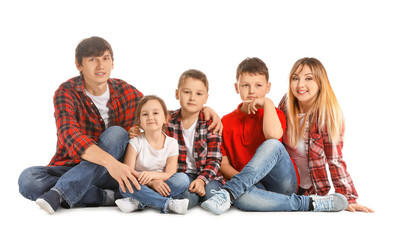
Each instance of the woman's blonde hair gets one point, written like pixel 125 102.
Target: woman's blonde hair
pixel 325 110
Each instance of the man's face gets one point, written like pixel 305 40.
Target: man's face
pixel 96 70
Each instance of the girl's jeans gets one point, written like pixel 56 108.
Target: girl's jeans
pixel 268 182
pixel 81 185
pixel 147 197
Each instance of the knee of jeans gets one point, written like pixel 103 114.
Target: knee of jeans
pixel 180 180
pixel 29 186
pixel 273 143
pixel 114 135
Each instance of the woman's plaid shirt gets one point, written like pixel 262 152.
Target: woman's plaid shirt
pixel 78 121
pixel 207 152
pixel 322 151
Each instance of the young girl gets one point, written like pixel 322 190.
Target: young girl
pixel 152 158
pixel 315 132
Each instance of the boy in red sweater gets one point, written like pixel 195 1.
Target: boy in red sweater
pixel 262 176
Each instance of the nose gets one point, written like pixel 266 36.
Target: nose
pixel 99 64
pixel 251 89
pixel 192 97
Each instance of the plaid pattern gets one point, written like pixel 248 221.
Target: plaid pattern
pixel 79 123
pixel 207 145
pixel 321 150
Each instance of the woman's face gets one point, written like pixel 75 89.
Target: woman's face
pixel 304 87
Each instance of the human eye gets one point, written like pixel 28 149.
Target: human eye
pixel 144 114
pixel 295 78
pixel 309 78
pixel 244 85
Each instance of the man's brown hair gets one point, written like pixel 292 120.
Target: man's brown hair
pixel 252 66
pixel 92 47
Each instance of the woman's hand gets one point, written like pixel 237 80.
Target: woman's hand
pixel 357 207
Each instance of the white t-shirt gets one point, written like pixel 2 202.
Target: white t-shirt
pixel 299 155
pixel 150 159
pixel 189 136
pixel 101 102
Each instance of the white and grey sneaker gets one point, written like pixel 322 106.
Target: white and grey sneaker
pixel 335 202
pixel 178 206
pixel 127 205
pixel 219 203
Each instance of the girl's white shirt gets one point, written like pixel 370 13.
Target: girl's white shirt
pixel 150 159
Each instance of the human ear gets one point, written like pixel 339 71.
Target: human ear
pixel 268 87
pixel 79 67
pixel 177 94
pixel 237 88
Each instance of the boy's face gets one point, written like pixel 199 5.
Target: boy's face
pixel 96 70
pixel 192 95
pixel 251 86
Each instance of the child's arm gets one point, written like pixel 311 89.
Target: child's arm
pixel 272 128
pixel 170 169
pixel 226 168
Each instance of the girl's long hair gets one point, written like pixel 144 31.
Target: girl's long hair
pixel 325 110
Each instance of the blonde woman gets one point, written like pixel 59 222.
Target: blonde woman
pixel 315 131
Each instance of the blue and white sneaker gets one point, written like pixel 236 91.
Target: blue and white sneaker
pixel 50 201
pixel 219 203
pixel 335 202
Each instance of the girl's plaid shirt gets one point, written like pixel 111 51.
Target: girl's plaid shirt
pixel 78 121
pixel 322 151
pixel 207 148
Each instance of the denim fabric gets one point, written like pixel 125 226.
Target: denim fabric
pixel 81 185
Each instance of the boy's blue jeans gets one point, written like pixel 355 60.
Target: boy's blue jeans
pixel 147 197
pixel 268 182
pixel 81 185
pixel 195 198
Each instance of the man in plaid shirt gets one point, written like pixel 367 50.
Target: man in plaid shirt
pixel 93 113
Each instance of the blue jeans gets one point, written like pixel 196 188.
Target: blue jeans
pixel 147 197
pixel 81 185
pixel 195 198
pixel 268 182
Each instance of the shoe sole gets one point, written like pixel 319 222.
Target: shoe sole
pixel 45 205
pixel 213 210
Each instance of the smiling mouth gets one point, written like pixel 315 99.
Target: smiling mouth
pixel 302 92
pixel 100 74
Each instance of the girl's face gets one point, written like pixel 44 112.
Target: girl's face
pixel 304 87
pixel 152 116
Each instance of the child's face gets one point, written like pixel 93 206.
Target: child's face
pixel 303 86
pixel 192 95
pixel 152 116
pixel 251 86
pixel 96 70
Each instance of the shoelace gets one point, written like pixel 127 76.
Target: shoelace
pixel 324 204
pixel 219 196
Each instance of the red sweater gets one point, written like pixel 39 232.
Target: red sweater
pixel 243 134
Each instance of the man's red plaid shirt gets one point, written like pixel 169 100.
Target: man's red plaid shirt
pixel 78 121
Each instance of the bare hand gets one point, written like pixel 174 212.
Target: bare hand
pixel 123 175
pixel 134 131
pixel 209 113
pixel 254 104
pixel 197 186
pixel 359 208
pixel 160 186
pixel 145 177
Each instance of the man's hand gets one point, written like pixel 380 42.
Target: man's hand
pixel 254 104
pixel 134 131
pixel 123 175
pixel 197 186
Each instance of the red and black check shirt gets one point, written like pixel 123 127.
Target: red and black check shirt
pixel 207 148
pixel 78 121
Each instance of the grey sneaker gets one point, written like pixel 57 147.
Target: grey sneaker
pixel 219 203
pixel 127 205
pixel 178 206
pixel 335 202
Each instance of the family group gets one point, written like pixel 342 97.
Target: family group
pixel 116 146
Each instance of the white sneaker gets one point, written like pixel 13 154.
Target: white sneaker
pixel 127 205
pixel 178 206
pixel 219 203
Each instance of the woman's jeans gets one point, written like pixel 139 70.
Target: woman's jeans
pixel 81 185
pixel 268 182
pixel 147 197
pixel 195 198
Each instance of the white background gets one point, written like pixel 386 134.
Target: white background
pixel 153 43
